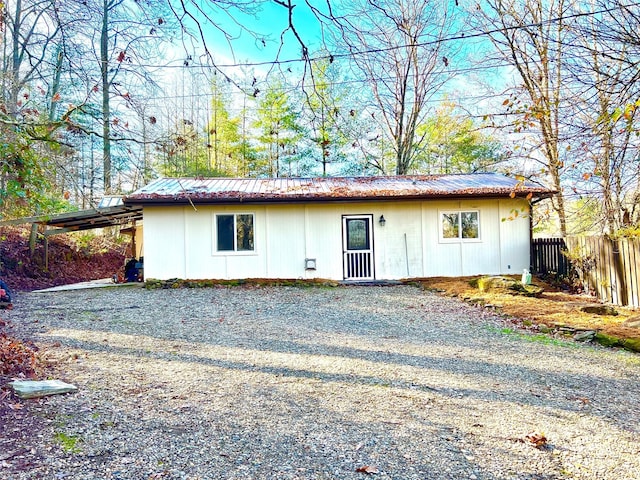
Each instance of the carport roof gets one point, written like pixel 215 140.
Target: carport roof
pixel 103 216
pixel 269 190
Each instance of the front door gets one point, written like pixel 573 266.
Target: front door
pixel 357 247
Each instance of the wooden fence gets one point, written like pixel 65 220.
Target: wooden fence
pixel 608 268
pixel 547 257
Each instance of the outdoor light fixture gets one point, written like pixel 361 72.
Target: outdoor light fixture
pixel 382 221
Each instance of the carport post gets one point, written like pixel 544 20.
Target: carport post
pixel 33 238
pixel 46 250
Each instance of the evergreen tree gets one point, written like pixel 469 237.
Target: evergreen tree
pixel 224 148
pixel 279 134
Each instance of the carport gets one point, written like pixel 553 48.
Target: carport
pixel 110 212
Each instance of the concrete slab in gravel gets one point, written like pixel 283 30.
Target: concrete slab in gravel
pixel 41 388
pixel 101 283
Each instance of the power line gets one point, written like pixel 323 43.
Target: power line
pixel 333 57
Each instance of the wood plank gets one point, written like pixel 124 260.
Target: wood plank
pixel 623 244
pixel 634 257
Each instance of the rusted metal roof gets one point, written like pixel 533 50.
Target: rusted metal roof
pixel 297 190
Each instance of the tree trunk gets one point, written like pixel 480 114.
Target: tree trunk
pixel 106 126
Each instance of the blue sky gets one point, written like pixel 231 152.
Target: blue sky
pixel 270 22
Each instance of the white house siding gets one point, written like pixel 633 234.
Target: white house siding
pixel 179 241
pixel 163 243
pixel 515 241
pixel 503 247
pixel 398 245
pixel 284 252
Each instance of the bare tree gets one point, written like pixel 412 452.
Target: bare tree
pixel 530 36
pixel 604 115
pixel 128 39
pixel 618 26
pixel 29 84
pixel 29 34
pixel 398 45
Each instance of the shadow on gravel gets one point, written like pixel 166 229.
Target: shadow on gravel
pixel 304 370
pixel 517 384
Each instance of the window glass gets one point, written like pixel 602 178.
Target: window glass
pixel 224 233
pixel 244 232
pixel 357 234
pixel 450 225
pixel 469 224
pixel 234 233
pixel 460 225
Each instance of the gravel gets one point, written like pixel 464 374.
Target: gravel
pixel 313 383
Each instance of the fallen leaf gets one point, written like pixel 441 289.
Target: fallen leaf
pixel 368 469
pixel 537 439
pixel 583 400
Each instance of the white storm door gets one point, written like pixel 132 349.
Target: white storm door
pixel 357 247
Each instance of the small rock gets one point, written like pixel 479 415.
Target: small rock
pixel 632 322
pixel 476 301
pixel 607 340
pixel 486 284
pixel 508 285
pixel 600 310
pixel 584 336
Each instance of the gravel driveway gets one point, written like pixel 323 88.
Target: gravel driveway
pixel 314 383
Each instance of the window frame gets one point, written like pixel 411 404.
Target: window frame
pixel 459 238
pixel 235 251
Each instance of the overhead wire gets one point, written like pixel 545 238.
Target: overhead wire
pixel 450 71
pixel 334 56
pixel 349 82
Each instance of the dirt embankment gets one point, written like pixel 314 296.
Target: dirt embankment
pixel 71 259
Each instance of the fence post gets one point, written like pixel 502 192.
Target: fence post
pixel 621 283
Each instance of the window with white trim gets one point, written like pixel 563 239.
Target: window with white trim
pixel 460 225
pixel 234 232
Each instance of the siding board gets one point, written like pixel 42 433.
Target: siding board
pixel 408 246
